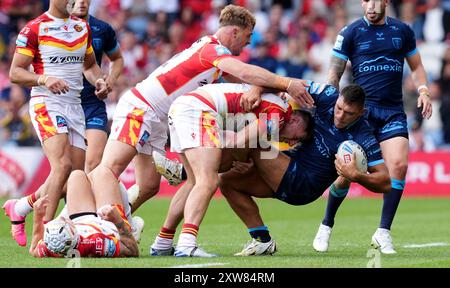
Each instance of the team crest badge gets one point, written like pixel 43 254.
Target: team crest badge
pixel 78 28
pixel 397 43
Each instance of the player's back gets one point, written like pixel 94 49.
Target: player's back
pixel 184 72
pixel 58 47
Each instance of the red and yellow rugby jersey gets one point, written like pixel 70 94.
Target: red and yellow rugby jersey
pixel 58 48
pixel 184 72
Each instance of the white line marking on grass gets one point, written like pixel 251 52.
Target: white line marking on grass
pixel 199 265
pixel 425 245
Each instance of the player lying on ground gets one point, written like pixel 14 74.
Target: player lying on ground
pixel 97 226
pixel 299 176
pixel 197 121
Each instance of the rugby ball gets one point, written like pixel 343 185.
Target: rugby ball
pixel 346 149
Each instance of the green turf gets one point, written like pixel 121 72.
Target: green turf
pixel 418 221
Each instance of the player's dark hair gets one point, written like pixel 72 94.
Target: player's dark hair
pixel 354 94
pixel 308 118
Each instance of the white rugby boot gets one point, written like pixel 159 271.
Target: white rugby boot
pixel 382 239
pixel 256 248
pixel 169 169
pixel 322 239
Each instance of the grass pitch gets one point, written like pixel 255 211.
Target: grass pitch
pixel 421 234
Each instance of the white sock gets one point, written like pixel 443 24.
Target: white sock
pixel 162 243
pixel 126 204
pixel 187 240
pixel 23 207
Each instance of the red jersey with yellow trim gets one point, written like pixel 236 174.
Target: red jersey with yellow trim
pixel 98 238
pixel 58 48
pixel 227 97
pixel 184 72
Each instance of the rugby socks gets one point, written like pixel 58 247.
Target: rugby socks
pixel 188 236
pixel 126 203
pixel 260 233
pixel 335 198
pixel 25 205
pixel 390 203
pixel 164 240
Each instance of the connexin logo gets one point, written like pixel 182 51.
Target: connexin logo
pixel 382 63
pixel 66 59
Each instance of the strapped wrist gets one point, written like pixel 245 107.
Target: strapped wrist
pixel 422 89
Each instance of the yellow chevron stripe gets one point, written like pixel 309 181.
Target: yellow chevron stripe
pixel 62 46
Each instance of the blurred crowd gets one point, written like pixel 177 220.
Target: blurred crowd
pixel 292 38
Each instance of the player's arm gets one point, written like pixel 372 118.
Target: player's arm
pixel 115 67
pixel 19 74
pixel 128 245
pixel 336 70
pixel 419 76
pixel 377 180
pixel 95 76
pixel 38 226
pixel 261 77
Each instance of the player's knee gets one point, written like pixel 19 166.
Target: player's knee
pixel 91 163
pixel 208 183
pixel 62 167
pixel 148 190
pixel 399 168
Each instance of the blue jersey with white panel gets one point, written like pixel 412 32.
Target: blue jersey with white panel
pixel 104 40
pixel 377 54
pixel 315 158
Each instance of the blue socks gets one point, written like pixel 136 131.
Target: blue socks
pixel 335 198
pixel 260 233
pixel 390 203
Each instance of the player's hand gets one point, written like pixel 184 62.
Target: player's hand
pixel 56 86
pixel 101 89
pixel 297 89
pixel 242 167
pixel 424 101
pixel 250 99
pixel 109 82
pixel 346 170
pixel 40 206
pixel 109 213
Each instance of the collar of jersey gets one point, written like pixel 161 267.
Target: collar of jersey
pixel 56 18
pixel 368 23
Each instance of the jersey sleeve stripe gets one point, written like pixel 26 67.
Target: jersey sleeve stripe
pixel 411 53
pixel 339 55
pixel 113 50
pixel 375 163
pixel 89 50
pixel 25 51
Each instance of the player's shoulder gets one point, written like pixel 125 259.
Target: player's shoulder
pixel 38 20
pixel 216 45
pixel 98 23
pixel 397 24
pixel 356 25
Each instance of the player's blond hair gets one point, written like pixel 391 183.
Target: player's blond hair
pixel 236 15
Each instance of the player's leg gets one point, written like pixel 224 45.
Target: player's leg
pixel 337 192
pixel 395 154
pixel 205 163
pixel 96 133
pixel 96 140
pixel 239 189
pixel 80 198
pixel 395 148
pixel 147 179
pixel 58 152
pixel 163 244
